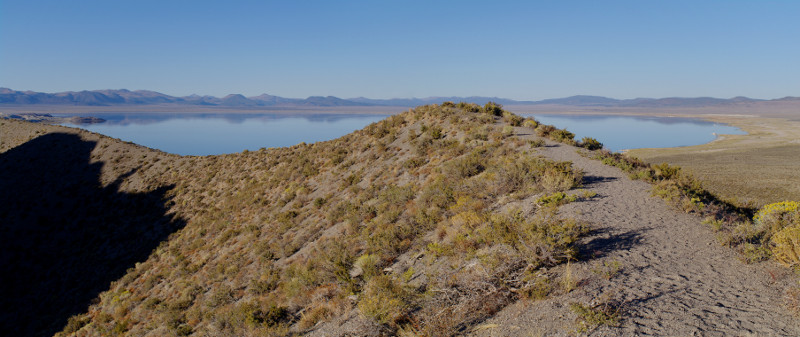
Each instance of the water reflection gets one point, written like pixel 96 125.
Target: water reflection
pixel 150 118
pixel 632 132
pixel 220 133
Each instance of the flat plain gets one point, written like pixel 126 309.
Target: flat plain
pixel 758 168
pixel 755 169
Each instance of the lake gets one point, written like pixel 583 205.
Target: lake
pixel 219 133
pixel 209 133
pixel 633 132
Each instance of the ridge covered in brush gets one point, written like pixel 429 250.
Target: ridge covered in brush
pixel 426 222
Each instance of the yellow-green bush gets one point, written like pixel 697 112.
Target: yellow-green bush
pixel 556 199
pixel 786 246
pixel 382 300
pixel 530 123
pixel 776 216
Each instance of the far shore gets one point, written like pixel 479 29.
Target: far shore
pixel 776 109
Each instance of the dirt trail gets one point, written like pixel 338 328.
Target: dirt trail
pixel 675 279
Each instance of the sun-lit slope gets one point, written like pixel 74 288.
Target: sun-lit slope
pixel 426 221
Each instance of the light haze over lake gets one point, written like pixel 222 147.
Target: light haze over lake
pixel 220 133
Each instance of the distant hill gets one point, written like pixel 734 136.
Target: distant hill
pixel 682 102
pixel 582 100
pixel 435 100
pixel 145 97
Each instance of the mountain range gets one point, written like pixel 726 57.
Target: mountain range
pixel 146 97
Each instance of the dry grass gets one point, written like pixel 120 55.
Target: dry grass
pixel 755 169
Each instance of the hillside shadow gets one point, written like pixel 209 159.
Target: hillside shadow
pixel 63 236
pixel 602 242
pixel 592 180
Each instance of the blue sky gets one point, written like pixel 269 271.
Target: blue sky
pixel 384 49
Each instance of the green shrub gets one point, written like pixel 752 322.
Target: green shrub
pixel 513 119
pixel 508 130
pixel 75 323
pixel 493 109
pixel 607 269
pixel 368 263
pixel 590 144
pixel 590 317
pixel 537 143
pixel 469 107
pixel 270 316
pixel 466 166
pixel 530 123
pixel 538 288
pixel 562 136
pixel 544 130
pixel 555 199
pixel 383 300
pixel 435 132
pixel 664 171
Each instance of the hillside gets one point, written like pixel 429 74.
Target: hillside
pixel 277 240
pixel 445 219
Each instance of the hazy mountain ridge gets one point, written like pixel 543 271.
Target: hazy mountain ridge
pixel 145 97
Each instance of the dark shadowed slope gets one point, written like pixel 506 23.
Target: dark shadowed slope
pixel 63 236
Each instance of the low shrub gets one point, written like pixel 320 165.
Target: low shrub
pixel 270 316
pixel 590 144
pixel 383 301
pixel 563 136
pixel 469 107
pixel 590 317
pixel 544 130
pixel 778 215
pixel 512 119
pixel 786 246
pixel 508 131
pixel 556 199
pixel 493 109
pixel 530 123
pixel 537 143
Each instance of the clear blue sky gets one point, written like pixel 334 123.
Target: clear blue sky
pixel 384 49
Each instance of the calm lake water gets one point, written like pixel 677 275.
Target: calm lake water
pixel 633 132
pixel 209 133
pixel 206 134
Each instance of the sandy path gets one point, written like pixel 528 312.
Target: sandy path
pixel 675 279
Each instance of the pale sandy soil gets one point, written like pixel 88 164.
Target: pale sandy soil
pixel 675 279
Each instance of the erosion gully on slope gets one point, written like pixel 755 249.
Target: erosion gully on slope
pixel 675 278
